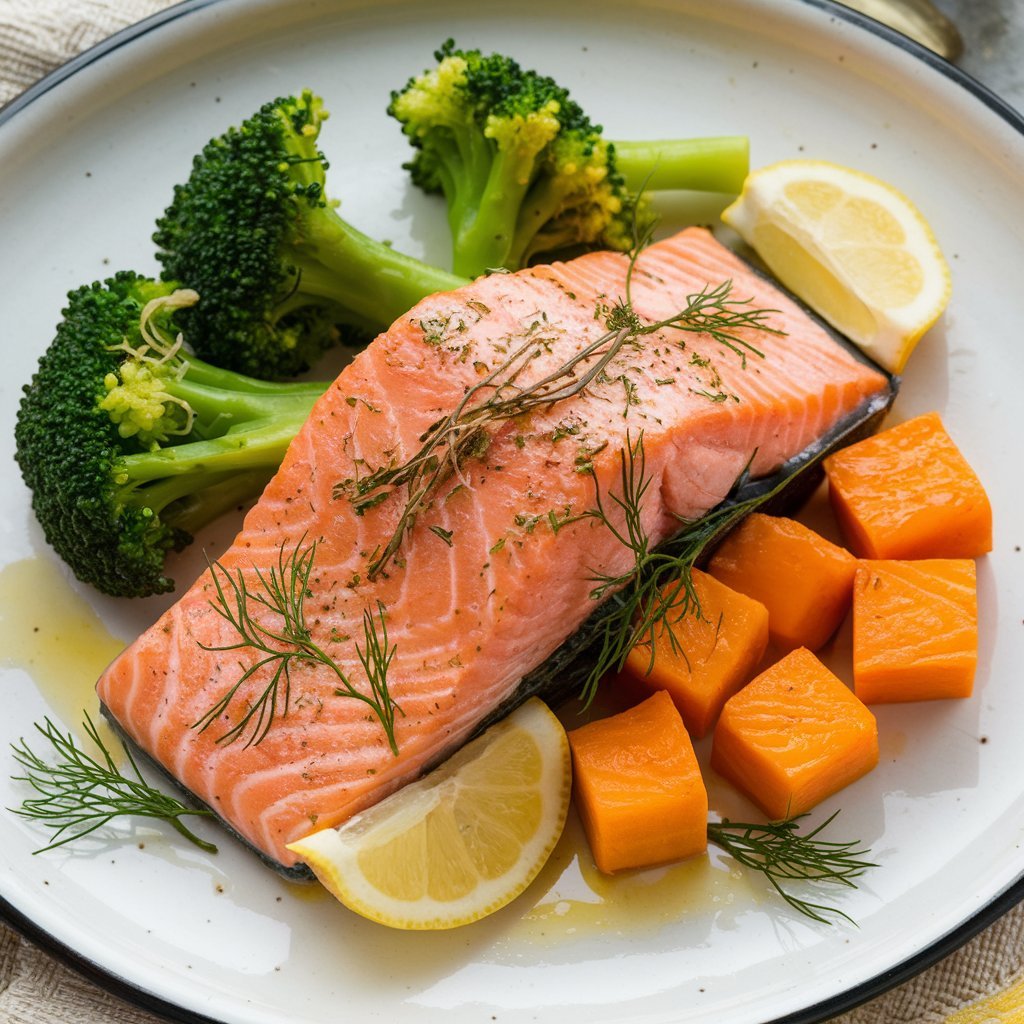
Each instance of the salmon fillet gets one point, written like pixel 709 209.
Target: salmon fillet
pixel 483 589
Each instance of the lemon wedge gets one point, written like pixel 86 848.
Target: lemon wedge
pixel 852 247
pixel 461 842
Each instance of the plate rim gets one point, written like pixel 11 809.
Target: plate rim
pixel 115 984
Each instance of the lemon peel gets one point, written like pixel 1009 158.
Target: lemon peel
pixel 852 247
pixel 463 841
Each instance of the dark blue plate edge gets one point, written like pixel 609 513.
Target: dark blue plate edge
pixel 815 1014
pixel 94 53
pixel 982 92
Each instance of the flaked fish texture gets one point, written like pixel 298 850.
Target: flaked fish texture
pixel 497 571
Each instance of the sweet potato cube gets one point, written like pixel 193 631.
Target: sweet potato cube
pixel 915 629
pixel 909 493
pixel 794 736
pixel 713 654
pixel 804 581
pixel 638 787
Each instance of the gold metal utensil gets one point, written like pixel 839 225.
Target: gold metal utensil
pixel 918 19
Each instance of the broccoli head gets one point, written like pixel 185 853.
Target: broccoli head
pixel 525 172
pixel 276 268
pixel 129 445
pixel 521 167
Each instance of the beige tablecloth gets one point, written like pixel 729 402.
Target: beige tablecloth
pixel 982 983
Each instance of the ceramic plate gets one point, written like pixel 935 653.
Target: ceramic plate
pixel 88 160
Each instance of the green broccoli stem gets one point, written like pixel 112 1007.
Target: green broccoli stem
pixel 250 446
pixel 219 410
pixel 545 199
pixel 190 484
pixel 184 508
pixel 484 187
pixel 484 237
pixel 716 164
pixel 340 264
pixel 203 373
pixel 241 431
pixel 462 168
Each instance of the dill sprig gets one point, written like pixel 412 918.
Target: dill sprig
pixel 462 435
pixel 782 854
pixel 283 592
pixel 375 656
pixel 79 794
pixel 657 590
pixel 713 311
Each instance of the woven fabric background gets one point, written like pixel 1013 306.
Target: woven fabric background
pixel 979 984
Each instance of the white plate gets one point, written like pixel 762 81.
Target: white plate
pixel 89 161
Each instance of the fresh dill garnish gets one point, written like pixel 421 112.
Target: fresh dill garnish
pixel 564 430
pixel 283 592
pixel 526 522
pixel 79 794
pixel 632 398
pixel 375 656
pixel 556 521
pixel 716 396
pixel 462 435
pixel 713 311
pixel 782 854
pixel 657 589
pixel 445 535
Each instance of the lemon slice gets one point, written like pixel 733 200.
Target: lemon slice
pixel 854 249
pixel 461 842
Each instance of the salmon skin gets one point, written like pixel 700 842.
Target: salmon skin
pixel 488 597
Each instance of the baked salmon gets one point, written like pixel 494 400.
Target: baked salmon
pixel 496 571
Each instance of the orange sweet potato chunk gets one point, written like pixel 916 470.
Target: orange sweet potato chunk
pixel 909 493
pixel 638 787
pixel 794 736
pixel 915 629
pixel 714 654
pixel 804 581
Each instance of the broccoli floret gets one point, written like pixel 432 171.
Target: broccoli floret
pixel 276 268
pixel 129 445
pixel 525 172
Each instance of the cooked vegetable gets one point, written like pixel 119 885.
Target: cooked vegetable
pixel 523 169
pixel 938 510
pixel 276 267
pixel 638 787
pixel 804 581
pixel 129 445
pixel 915 629
pixel 794 736
pixel 642 801
pixel 712 164
pixel 709 652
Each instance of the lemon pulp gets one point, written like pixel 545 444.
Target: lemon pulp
pixel 852 247
pixel 463 841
